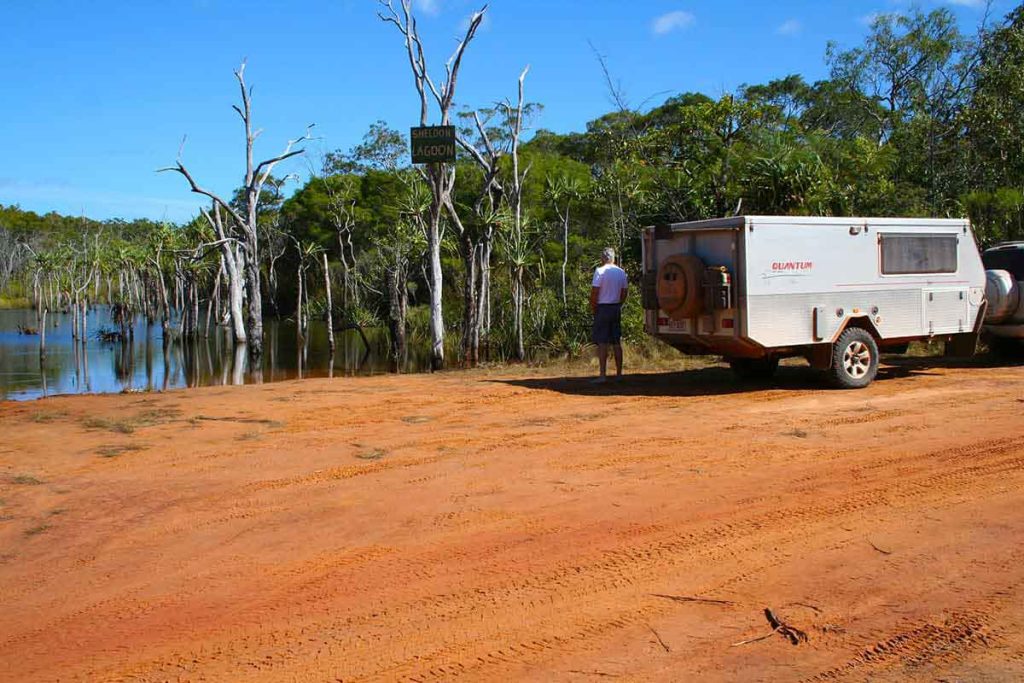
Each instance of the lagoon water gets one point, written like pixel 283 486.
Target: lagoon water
pixel 148 365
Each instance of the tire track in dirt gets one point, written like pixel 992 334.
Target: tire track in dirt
pixel 906 460
pixel 915 645
pixel 866 417
pixel 604 587
pixel 340 473
pixel 623 569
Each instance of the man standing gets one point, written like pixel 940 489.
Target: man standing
pixel 607 293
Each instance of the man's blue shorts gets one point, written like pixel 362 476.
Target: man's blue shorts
pixel 608 324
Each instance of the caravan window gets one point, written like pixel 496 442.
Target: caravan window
pixel 912 254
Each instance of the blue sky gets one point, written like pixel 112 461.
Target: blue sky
pixel 97 95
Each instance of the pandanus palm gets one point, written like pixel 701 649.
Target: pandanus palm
pixel 519 247
pixel 308 252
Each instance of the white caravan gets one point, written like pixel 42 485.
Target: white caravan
pixel 835 291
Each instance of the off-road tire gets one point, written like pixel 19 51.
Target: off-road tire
pixel 752 369
pixel 1006 349
pixel 854 359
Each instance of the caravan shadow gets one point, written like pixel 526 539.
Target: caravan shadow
pixel 719 380
pixel 922 363
pixel 710 381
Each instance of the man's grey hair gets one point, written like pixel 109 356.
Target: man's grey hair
pixel 608 255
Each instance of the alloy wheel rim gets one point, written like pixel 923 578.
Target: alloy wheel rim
pixel 857 359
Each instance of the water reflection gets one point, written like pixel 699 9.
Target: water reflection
pixel 145 362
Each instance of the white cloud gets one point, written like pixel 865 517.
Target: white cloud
pixel 790 27
pixel 428 6
pixel 672 21
pixel 976 4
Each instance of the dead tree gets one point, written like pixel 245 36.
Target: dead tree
pixel 477 248
pixel 80 276
pixel 245 218
pixel 517 242
pixel 274 242
pixel 214 296
pixel 14 255
pixel 439 177
pixel 307 254
pixel 562 191
pixel 341 208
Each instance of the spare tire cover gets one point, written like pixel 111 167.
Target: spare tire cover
pixel 679 286
pixel 1003 294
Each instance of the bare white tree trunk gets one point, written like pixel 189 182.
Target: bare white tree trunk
pixel 229 261
pixel 238 365
pixel 436 283
pixel 484 299
pixel 214 296
pixel 330 314
pixel 42 333
pixel 300 276
pixel 565 255
pixel 235 294
pixel 85 322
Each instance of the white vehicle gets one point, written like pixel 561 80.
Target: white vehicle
pixel 1004 324
pixel 835 291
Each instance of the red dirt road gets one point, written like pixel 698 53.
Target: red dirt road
pixel 477 527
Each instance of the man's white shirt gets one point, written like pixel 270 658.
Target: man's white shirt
pixel 611 280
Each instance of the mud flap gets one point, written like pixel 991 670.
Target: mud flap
pixel 964 345
pixel 819 356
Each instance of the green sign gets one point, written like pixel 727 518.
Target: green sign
pixel 433 144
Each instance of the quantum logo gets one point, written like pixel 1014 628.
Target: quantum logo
pixel 790 266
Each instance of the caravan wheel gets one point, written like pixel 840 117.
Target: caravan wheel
pixel 854 359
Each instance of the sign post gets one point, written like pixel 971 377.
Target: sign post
pixel 433 144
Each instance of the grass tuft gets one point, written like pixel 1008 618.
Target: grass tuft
pixel 44 418
pixel 114 451
pixel 120 426
pixel 239 419
pixel 375 454
pixel 26 480
pixel 148 418
pixel 38 529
